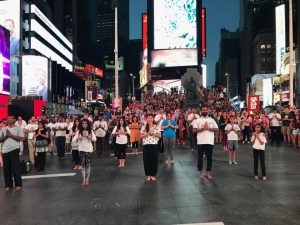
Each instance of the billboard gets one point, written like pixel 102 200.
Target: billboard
pixel 145 38
pixel 280 37
pixel 203 33
pixel 174 58
pixel 175 24
pixel 35 76
pixel 4 61
pixel 267 92
pixel 10 19
pixel 253 104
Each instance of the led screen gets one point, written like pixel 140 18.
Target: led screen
pixel 175 24
pixel 174 58
pixel 35 76
pixel 280 37
pixel 10 19
pixel 4 61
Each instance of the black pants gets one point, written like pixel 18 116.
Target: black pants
pixel 208 150
pixel 275 134
pixel 121 151
pixel 161 148
pixel 261 155
pixel 75 157
pixel 247 133
pixel 135 144
pixel 12 168
pixel 41 160
pixel 150 158
pixel 60 146
pixel 100 145
pixel 193 138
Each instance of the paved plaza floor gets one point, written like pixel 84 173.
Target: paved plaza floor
pixel 123 197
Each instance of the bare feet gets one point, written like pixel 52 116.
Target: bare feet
pixel 87 182
pixel 255 177
pixel 79 167
pixel 148 178
pixel 7 189
pixel 172 162
pixel 201 175
pixel 83 183
pixel 153 178
pixel 18 188
pixel 209 176
pixel 166 162
pixel 264 178
pixel 76 168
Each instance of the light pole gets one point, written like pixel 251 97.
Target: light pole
pixel 133 92
pixel 227 82
pixel 291 33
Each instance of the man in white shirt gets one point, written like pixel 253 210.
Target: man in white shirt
pixel 100 128
pixel 205 127
pixel 191 118
pixel 60 136
pixel 233 132
pixel 22 124
pixel 30 129
pixel 275 126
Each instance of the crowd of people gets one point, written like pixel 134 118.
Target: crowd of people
pixel 156 128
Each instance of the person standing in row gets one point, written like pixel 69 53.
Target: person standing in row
pixel 135 134
pixel 41 145
pixel 100 128
pixel 121 131
pixel 85 136
pixel 259 144
pixel 60 137
pixel 22 124
pixel 193 116
pixel 11 136
pixel 75 144
pixel 233 132
pixel 169 128
pixel 30 128
pixel 275 119
pixel 150 134
pixel 205 127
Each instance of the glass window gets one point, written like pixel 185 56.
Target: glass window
pixel 263 46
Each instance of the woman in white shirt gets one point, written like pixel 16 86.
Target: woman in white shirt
pixel 85 136
pixel 150 135
pixel 121 131
pixel 259 143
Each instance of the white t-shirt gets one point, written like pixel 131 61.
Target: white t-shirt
pixel 121 139
pixel 190 116
pixel 60 133
pixel 31 130
pixel 85 145
pixel 100 132
pixel 274 122
pixel 232 136
pixel 205 137
pixel 257 145
pixel 150 140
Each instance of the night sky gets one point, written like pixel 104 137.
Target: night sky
pixel 220 14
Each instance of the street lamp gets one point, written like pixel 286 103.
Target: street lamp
pixel 227 83
pixel 133 92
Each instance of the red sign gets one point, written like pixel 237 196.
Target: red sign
pixel 145 31
pixel 38 107
pixel 203 12
pixel 98 72
pixel 89 68
pixel 3 106
pixel 94 70
pixel 253 104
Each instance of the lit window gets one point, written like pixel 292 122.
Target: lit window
pixel 269 46
pixel 263 46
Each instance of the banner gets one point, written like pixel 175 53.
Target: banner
pixel 280 37
pixel 253 104
pixel 117 103
pixel 35 76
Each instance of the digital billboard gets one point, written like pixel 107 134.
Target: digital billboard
pixel 280 37
pixel 35 76
pixel 175 24
pixel 174 58
pixel 10 19
pixel 4 61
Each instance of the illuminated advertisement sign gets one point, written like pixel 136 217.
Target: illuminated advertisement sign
pixel 175 24
pixel 280 37
pixel 267 92
pixel 144 73
pixel 35 76
pixel 174 58
pixel 204 75
pixel 10 19
pixel 253 104
pixel 94 70
pixel 203 26
pixel 3 106
pixel 4 61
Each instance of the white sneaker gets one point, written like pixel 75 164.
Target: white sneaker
pixel 234 162
pixel 230 163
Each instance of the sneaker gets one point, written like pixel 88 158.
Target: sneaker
pixel 234 162
pixel 230 163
